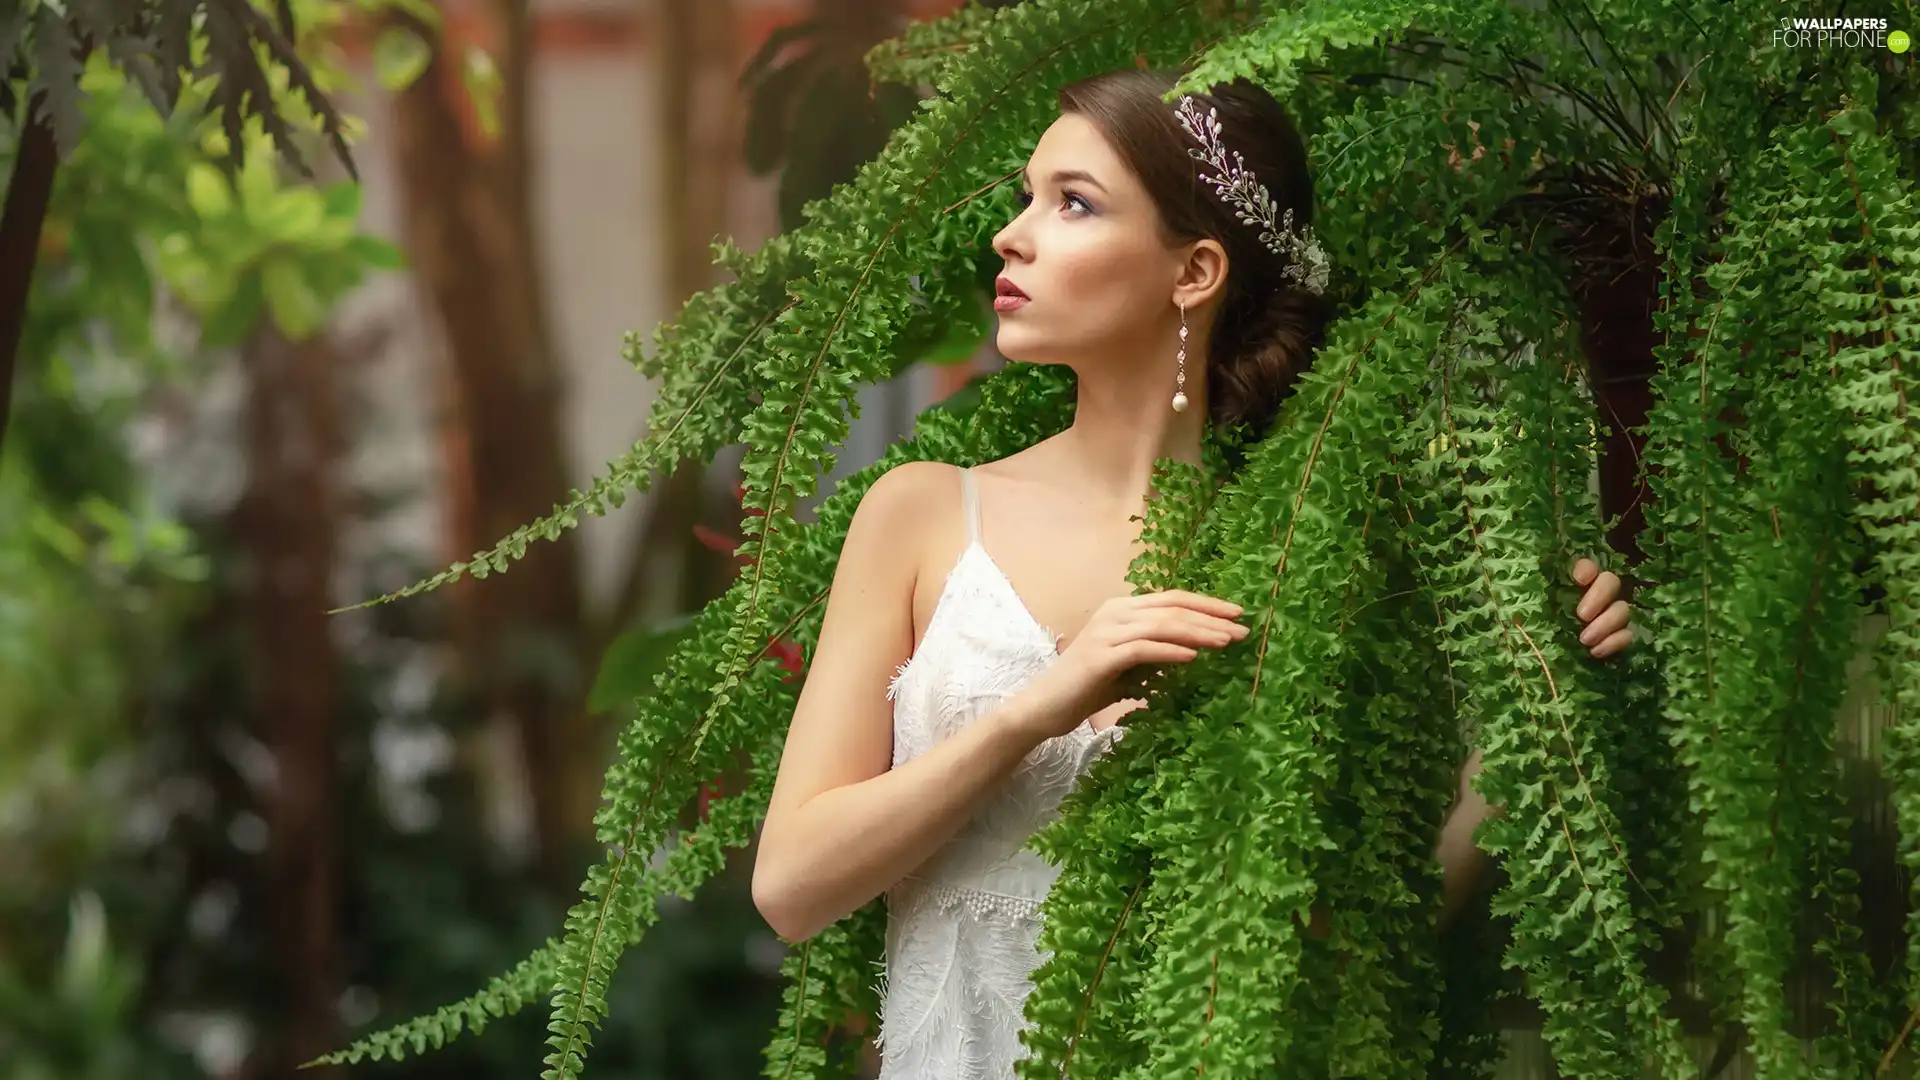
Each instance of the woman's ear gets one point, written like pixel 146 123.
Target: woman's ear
pixel 1202 275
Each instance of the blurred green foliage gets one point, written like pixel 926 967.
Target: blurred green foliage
pixel 136 938
pixel 83 1025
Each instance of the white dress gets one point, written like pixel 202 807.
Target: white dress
pixel 962 928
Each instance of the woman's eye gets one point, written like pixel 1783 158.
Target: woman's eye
pixel 1068 201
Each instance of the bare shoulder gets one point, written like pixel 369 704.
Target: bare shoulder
pixel 901 505
pixel 887 541
pixel 908 489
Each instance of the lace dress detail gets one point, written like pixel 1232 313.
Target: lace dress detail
pixel 962 928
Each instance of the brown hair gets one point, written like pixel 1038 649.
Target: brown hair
pixel 1268 327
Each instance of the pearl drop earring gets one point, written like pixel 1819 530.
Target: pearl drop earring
pixel 1180 375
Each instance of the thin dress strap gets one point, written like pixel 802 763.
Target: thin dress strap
pixel 970 500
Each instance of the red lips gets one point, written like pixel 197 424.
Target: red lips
pixel 1007 296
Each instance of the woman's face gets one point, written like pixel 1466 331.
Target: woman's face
pixel 1085 253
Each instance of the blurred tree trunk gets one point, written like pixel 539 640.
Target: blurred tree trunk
pixel 699 146
pixel 29 187
pixel 471 236
pixel 699 155
pixel 287 524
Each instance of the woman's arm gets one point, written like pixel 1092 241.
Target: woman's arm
pixel 842 827
pixel 1606 629
pixel 1462 863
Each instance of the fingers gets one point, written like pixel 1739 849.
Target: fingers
pixel 1610 620
pixel 1604 590
pixel 1616 642
pixel 1172 634
pixel 1149 651
pixel 1183 598
pixel 1188 618
pixel 1193 628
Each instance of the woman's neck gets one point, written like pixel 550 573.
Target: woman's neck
pixel 1122 426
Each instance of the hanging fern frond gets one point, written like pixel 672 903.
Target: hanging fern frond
pixel 1574 934
pixel 1858 223
pixel 1399 747
pixel 924 52
pixel 829 980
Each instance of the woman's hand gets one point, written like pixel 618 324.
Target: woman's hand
pixel 1608 620
pixel 1169 627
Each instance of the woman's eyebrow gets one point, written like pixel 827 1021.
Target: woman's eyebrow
pixel 1061 176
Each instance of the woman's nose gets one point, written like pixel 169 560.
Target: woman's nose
pixel 1010 242
pixel 1012 239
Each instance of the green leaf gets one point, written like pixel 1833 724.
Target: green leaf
pixel 959 339
pixel 293 216
pixel 635 657
pixel 258 181
pixel 770 106
pixel 207 191
pixel 296 309
pixel 399 56
pixel 233 318
pixel 343 200
pixel 376 253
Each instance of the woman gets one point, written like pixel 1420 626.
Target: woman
pixel 1129 265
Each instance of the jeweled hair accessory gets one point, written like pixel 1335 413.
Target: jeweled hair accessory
pixel 1306 260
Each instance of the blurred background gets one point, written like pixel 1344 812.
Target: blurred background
pixel 235 830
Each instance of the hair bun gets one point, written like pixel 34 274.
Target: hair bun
pixel 1272 344
pixel 1267 327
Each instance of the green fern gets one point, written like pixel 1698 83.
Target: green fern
pixel 1401 540
pixel 1859 225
